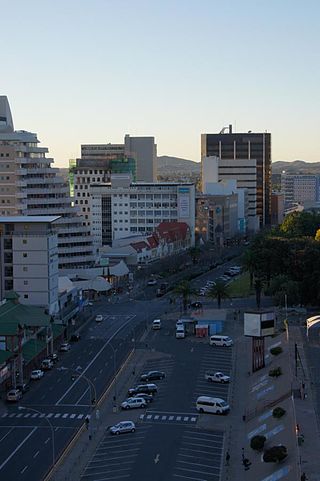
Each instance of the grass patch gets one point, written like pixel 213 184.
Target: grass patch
pixel 240 287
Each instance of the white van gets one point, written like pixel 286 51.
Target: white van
pixel 180 332
pixel 221 341
pixel 212 405
pixel 156 324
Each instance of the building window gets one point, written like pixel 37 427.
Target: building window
pixel 24 254
pixel 26 296
pixel 25 283
pixel 24 241
pixel 25 269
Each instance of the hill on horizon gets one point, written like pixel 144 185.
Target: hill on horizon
pixel 168 164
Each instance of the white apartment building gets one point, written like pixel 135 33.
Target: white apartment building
pixel 299 188
pixel 29 259
pixel 244 171
pixel 123 208
pixel 30 186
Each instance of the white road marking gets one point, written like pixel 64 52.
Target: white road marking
pixel 57 415
pixel 94 359
pixel 49 415
pixel 72 416
pixel 65 415
pixel 3 437
pixel 157 459
pixel 36 454
pixel 23 470
pixel 46 441
pixel 4 415
pixel 35 415
pixel 80 416
pixel 17 448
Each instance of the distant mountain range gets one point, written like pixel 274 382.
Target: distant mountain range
pixel 296 167
pixel 167 165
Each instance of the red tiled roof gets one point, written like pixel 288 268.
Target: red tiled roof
pixel 172 231
pixel 139 246
pixel 153 241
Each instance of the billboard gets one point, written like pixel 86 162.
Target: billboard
pixel 259 324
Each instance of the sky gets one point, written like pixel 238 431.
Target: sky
pixel 91 71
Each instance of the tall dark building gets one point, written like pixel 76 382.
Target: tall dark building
pixel 235 146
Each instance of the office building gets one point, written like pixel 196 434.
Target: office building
pixel 123 208
pixel 277 208
pixel 239 148
pixel 299 188
pixel 29 259
pixel 218 175
pixel 30 186
pixel 144 150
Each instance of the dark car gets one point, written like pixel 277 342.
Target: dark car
pixel 23 387
pixel 152 376
pixel 147 397
pixel 75 338
pixel 143 388
pixel 196 305
pixel 54 357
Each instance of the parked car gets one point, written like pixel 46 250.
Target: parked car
pixel 152 376
pixel 134 402
pixel 14 395
pixel 99 318
pixel 36 374
pixel 46 364
pixel 152 282
pixel 144 388
pixel 147 397
pixel 224 341
pixel 156 324
pixel 64 347
pixel 123 427
pixel 54 357
pixel 75 338
pixel 217 377
pixel 196 305
pixel 23 387
pixel 212 405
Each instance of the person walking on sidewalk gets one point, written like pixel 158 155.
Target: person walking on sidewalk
pixel 304 477
pixel 227 458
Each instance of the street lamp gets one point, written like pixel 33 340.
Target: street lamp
pixel 24 408
pixel 114 372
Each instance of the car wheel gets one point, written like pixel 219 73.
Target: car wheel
pixel 127 407
pixel 132 430
pixel 210 379
pixel 143 406
pixel 117 432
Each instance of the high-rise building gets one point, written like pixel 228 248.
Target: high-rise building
pixel 30 186
pixel 299 188
pixel 145 151
pixel 236 147
pixel 123 208
pixel 29 257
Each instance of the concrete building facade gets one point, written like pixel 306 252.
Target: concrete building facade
pixel 29 256
pixel 123 208
pixel 300 188
pixel 30 186
pixel 241 148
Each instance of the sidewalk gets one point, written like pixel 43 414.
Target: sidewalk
pixel 253 398
pixel 308 427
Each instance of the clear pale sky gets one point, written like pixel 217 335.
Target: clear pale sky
pixel 81 71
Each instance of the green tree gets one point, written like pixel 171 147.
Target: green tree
pixel 258 286
pixel 317 237
pixel 300 224
pixel 249 262
pixel 219 291
pixel 185 291
pixel 194 253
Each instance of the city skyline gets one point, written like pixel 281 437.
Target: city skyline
pixel 91 75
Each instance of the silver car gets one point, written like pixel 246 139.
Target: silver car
pixel 123 427
pixel 134 402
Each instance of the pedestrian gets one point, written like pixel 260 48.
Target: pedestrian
pixel 246 463
pixel 227 458
pixel 304 477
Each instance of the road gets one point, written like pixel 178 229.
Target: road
pixel 25 436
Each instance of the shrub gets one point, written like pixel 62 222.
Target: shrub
pixel 275 372
pixel 275 454
pixel 257 442
pixel 275 351
pixel 278 412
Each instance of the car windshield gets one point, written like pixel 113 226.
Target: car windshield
pixel 223 403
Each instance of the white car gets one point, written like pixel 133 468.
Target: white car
pixel 37 374
pixel 134 402
pixel 123 427
pixel 152 282
pixel 64 347
pixel 217 377
pixel 99 318
pixel 14 395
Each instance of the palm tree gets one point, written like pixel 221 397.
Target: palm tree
pixel 219 291
pixel 194 253
pixel 250 264
pixel 258 286
pixel 185 291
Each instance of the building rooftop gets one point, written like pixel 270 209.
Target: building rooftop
pixel 25 219
pixel 142 184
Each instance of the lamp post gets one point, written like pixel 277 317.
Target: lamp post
pixel 114 373
pixel 51 427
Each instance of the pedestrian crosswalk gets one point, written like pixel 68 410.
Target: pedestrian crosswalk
pixel 171 418
pixel 68 416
